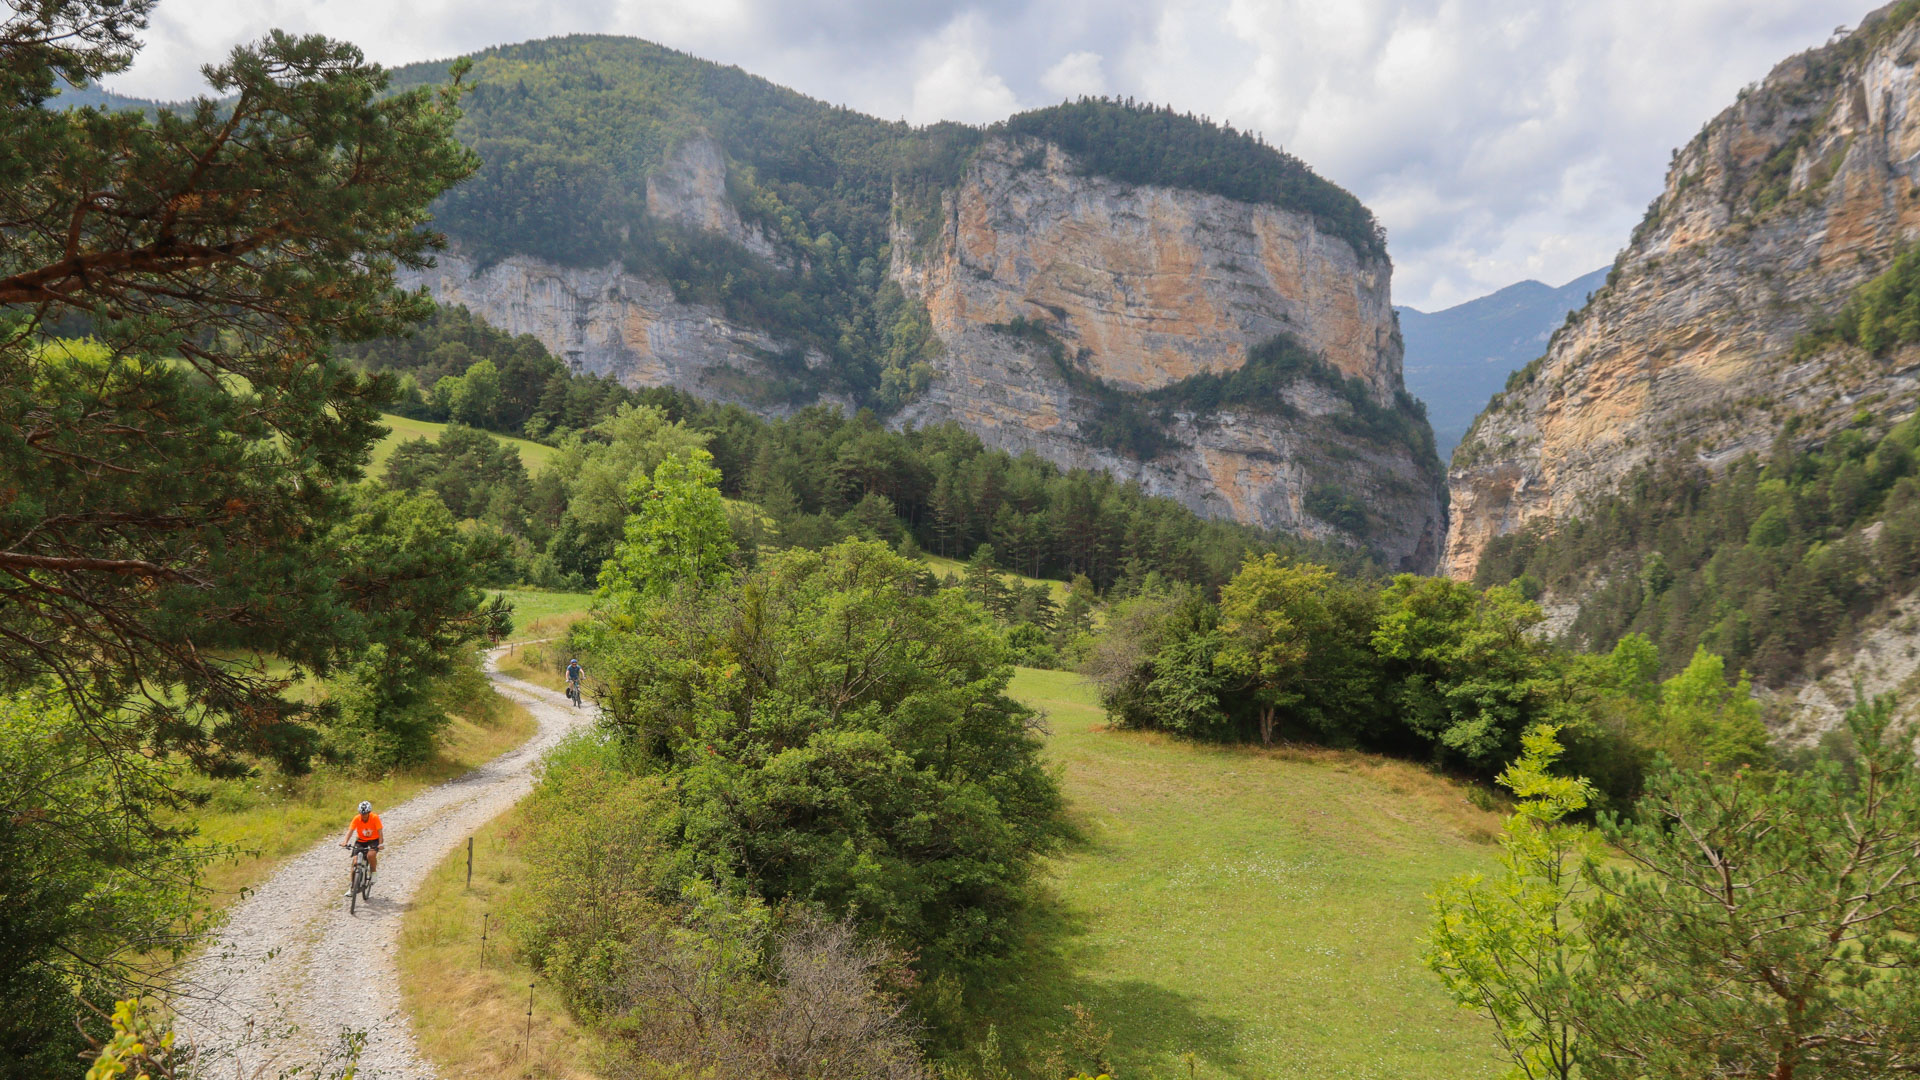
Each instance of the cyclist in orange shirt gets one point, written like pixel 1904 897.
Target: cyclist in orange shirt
pixel 364 832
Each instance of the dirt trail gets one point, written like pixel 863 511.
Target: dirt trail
pixel 292 970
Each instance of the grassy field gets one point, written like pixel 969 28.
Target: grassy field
pixel 532 454
pixel 539 614
pixel 943 566
pixel 267 818
pixel 1260 911
pixel 536 664
pixel 470 1015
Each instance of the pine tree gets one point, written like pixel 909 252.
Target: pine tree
pixel 170 481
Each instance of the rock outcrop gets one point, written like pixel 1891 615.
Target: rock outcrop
pixel 689 189
pixel 1884 660
pixel 606 321
pixel 1771 216
pixel 1143 286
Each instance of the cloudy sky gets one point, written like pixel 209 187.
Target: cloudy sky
pixel 1497 139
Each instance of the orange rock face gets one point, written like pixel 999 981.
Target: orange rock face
pixel 1152 284
pixel 1142 287
pixel 1771 217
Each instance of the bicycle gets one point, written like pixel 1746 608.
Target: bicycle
pixel 573 693
pixel 362 887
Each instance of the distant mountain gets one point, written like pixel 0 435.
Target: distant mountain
pixel 1458 358
pixel 71 96
pixel 1106 284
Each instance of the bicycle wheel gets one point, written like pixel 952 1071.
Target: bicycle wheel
pixel 353 892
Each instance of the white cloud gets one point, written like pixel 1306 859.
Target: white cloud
pixel 1496 139
pixel 955 81
pixel 1076 74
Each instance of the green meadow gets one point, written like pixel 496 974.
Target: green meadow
pixel 400 429
pixel 1260 911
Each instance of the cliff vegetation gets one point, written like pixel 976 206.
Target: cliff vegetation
pixel 1139 143
pixel 1136 424
pixel 570 130
pixel 1770 563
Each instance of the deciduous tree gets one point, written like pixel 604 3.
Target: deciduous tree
pixel 1508 946
pixel 1296 635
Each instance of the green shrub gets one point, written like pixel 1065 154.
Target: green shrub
pixel 601 871
pixel 97 898
pixel 1765 564
pixel 1333 505
pixel 839 734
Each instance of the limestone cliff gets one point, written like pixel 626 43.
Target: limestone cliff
pixel 1771 216
pixel 1143 286
pixel 689 189
pixel 607 321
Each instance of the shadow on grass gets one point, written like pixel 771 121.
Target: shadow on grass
pixel 1030 1002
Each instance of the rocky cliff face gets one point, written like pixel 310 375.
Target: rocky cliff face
pixel 1771 216
pixel 606 321
pixel 1144 287
pixel 689 189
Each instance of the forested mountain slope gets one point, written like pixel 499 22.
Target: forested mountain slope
pixel 1772 215
pixel 1712 450
pixel 1460 356
pixel 1105 284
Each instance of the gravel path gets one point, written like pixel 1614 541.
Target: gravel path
pixel 292 970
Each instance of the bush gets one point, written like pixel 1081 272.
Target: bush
pixel 1028 646
pixel 734 990
pixel 97 898
pixel 839 734
pixel 600 872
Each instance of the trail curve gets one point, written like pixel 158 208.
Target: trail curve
pixel 292 971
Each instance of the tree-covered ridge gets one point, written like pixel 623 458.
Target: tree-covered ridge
pixel 568 130
pixel 1769 564
pixel 1139 143
pixel 818 476
pixel 578 122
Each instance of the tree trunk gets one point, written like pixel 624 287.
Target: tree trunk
pixel 1266 725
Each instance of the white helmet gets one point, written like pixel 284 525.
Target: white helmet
pixel 366 807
